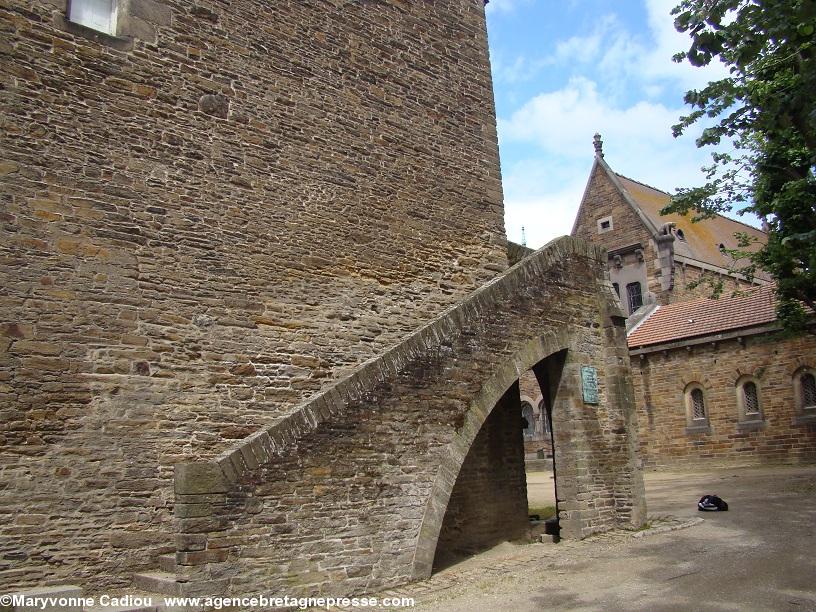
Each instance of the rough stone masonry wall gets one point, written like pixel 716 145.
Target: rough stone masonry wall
pixel 348 494
pixel 204 221
pixel 660 380
pixel 703 283
pixel 603 199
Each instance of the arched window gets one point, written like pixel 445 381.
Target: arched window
pixel 529 423
pixel 804 391
pixel 696 410
pixel 807 384
pixel 750 399
pixel 697 405
pixel 749 404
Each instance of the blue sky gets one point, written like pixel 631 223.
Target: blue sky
pixel 563 70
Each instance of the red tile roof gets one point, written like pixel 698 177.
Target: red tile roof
pixel 704 317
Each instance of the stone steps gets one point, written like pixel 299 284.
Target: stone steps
pixel 167 563
pixel 139 603
pixel 163 582
pixel 169 584
pixel 538 465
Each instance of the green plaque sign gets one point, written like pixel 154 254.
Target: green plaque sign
pixel 589 382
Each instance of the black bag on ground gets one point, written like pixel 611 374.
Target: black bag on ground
pixel 711 503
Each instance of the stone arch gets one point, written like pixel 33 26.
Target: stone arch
pixel 800 364
pixel 535 351
pixel 554 303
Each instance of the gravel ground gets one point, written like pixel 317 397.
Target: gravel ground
pixel 760 555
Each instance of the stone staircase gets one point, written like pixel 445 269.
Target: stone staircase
pixel 164 581
pixel 167 581
pixel 436 388
pixel 533 310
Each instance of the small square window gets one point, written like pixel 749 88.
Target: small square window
pixel 605 225
pixel 99 15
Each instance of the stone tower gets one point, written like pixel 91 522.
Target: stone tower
pixel 209 211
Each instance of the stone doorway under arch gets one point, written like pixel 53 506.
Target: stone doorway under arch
pixel 489 501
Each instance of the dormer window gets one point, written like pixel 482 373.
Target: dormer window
pixel 99 15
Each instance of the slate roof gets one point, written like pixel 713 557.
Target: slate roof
pixel 701 240
pixel 705 317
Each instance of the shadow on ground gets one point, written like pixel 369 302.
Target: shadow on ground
pixel 757 556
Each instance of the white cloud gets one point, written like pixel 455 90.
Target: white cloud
pixel 577 49
pixel 581 49
pixel 543 212
pixel 618 79
pixel 542 191
pixel 518 70
pixel 632 59
pixel 563 122
pixel 669 42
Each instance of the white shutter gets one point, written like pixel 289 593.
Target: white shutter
pixel 97 14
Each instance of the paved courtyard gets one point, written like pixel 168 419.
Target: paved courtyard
pixel 760 555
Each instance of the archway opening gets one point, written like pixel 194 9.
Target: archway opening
pixel 539 461
pixel 543 379
pixel 508 473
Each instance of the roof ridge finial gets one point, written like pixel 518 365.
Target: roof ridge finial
pixel 598 145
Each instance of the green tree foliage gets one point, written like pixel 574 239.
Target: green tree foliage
pixel 762 124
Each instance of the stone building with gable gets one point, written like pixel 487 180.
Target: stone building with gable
pixel 258 331
pixel 715 379
pixel 653 258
